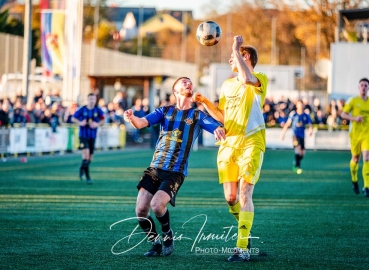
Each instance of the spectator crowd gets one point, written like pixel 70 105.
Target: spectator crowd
pixel 276 112
pixel 48 109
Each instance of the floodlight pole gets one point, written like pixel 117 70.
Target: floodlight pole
pixel 27 44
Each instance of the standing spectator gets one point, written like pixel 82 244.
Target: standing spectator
pixel 320 118
pixel 19 118
pixel 72 108
pixel 332 114
pixel 38 96
pixel 4 116
pixel 307 107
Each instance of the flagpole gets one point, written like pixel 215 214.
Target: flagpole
pixel 27 44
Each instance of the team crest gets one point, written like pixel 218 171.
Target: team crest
pixel 95 114
pixel 188 121
pixel 174 136
pixel 169 117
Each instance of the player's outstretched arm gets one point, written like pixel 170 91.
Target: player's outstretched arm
pixel 136 122
pixel 351 118
pixel 209 106
pixel 285 127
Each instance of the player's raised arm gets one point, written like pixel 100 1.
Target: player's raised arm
pixel 135 121
pixel 244 72
pixel 214 111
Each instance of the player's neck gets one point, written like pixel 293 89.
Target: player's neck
pixel 89 107
pixel 183 104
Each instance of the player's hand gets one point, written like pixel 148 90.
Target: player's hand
pixel 82 123
pixel 359 119
pixel 93 125
pixel 219 133
pixel 128 114
pixel 237 43
pixel 197 97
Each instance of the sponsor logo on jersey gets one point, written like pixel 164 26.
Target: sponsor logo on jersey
pixel 188 121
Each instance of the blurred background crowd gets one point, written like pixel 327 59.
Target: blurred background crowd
pixel 47 108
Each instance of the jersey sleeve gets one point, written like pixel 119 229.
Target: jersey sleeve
pixel 101 113
pixel 348 106
pixel 208 123
pixel 263 79
pixel 291 115
pixel 156 116
pixel 78 113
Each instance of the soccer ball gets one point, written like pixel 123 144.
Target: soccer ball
pixel 208 33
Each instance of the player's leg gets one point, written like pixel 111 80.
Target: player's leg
pixel 249 161
pixel 158 206
pixel 91 147
pixel 366 172
pixel 147 187
pixel 168 190
pixel 84 144
pixel 230 194
pixel 228 176
pixel 354 163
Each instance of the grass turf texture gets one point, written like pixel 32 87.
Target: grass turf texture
pixel 51 220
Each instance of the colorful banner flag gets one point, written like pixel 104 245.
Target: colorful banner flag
pixel 52 41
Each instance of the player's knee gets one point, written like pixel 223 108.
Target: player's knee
pixel 230 198
pixel 355 159
pixel 157 207
pixel 142 211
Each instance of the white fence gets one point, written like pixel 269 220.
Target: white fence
pixel 320 140
pixel 40 139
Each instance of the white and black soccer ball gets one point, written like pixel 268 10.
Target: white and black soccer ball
pixel 208 33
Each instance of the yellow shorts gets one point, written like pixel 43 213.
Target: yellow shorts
pixel 234 164
pixel 359 145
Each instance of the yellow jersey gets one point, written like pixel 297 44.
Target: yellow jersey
pixel 357 106
pixel 243 118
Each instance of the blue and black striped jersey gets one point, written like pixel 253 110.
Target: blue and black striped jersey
pixel 298 123
pixel 95 114
pixel 178 131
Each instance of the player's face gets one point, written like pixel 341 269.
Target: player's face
pixel 299 106
pixel 232 62
pixel 363 88
pixel 91 101
pixel 184 87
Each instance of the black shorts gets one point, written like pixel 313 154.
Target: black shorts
pixel 299 141
pixel 156 179
pixel 87 144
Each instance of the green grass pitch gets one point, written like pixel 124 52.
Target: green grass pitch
pixel 51 220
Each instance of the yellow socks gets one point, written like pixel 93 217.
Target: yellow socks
pixel 244 228
pixel 235 210
pixel 366 174
pixel 354 167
